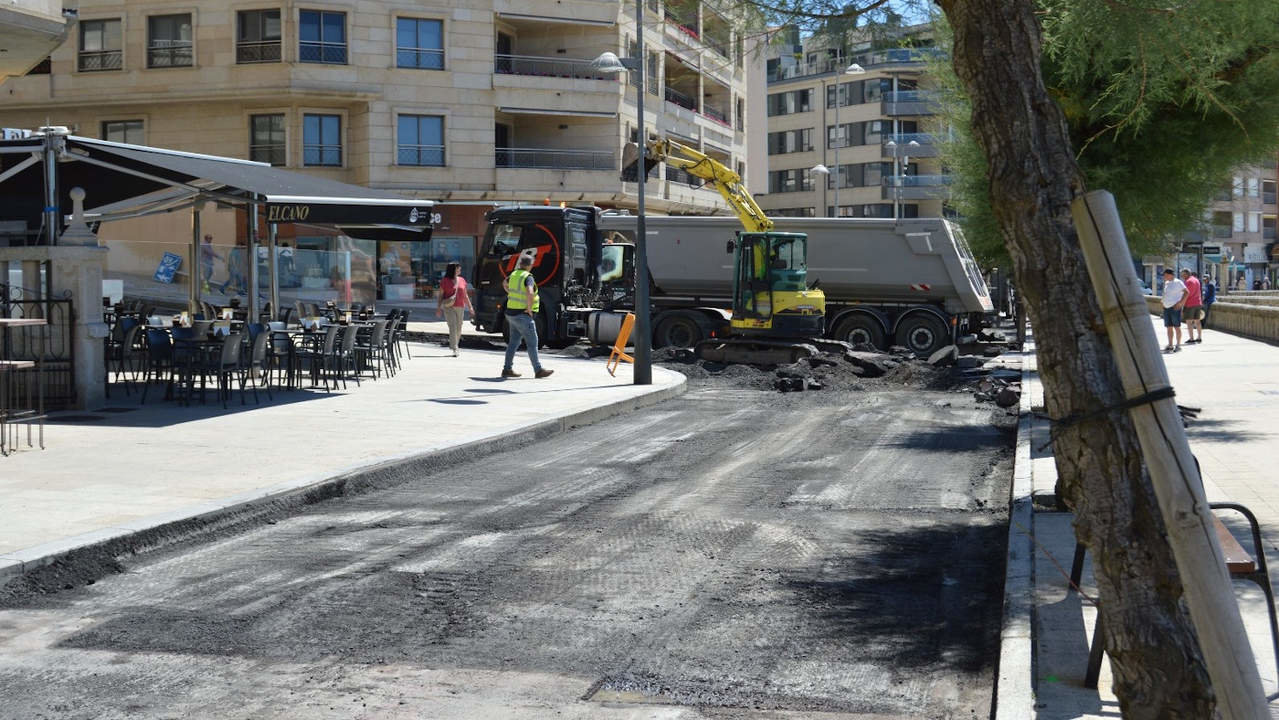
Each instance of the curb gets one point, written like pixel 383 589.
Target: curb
pixel 157 531
pixel 1015 690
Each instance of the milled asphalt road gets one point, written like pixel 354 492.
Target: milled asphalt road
pixel 727 554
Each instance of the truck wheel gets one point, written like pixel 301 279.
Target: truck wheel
pixel 922 333
pixel 859 328
pixel 683 330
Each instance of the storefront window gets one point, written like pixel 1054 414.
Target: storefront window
pixel 412 270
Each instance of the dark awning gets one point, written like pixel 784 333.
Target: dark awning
pixel 130 179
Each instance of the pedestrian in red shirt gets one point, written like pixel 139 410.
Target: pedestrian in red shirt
pixel 1194 311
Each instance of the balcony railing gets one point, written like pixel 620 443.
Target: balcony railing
pixel 163 54
pixel 1222 231
pixel 718 116
pixel 926 145
pixel 101 60
pixel 322 52
pixel 906 181
pixel 271 153
pixel 420 155
pixel 915 187
pixel 676 175
pixel 421 58
pixel 265 51
pixel 547 67
pixel 551 159
pixel 880 58
pixel 909 102
pixel 679 98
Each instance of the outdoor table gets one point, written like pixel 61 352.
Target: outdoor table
pixel 10 416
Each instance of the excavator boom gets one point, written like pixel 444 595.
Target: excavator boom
pixel 720 176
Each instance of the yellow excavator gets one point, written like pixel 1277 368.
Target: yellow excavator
pixel 776 317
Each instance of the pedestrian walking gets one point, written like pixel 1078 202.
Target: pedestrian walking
pixel 207 256
pixel 453 300
pixel 1265 283
pixel 1174 299
pixel 235 265
pixel 1210 297
pixel 1193 312
pixel 522 304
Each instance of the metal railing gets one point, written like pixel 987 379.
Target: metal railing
pixel 554 159
pixel 273 153
pixel 907 138
pixel 879 58
pixel 322 155
pixel 547 67
pixel 715 114
pixel 676 175
pixel 52 344
pixel 916 180
pixel 169 53
pixel 265 51
pixel 678 98
pixel 102 60
pixel 420 58
pixel 322 52
pixel 420 155
pixel 1222 231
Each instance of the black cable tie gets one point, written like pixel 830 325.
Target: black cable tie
pixel 1075 418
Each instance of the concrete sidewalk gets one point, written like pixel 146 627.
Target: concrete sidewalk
pixel 1235 382
pixel 117 477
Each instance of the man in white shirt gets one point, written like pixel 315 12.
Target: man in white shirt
pixel 1174 299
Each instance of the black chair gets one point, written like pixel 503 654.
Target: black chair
pixel 320 359
pixel 128 355
pixel 345 357
pixel 259 360
pixel 227 368
pixel 373 351
pixel 159 360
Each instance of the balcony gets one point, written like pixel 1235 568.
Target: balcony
pixel 915 187
pixel 266 51
pixel 554 159
pixel 675 97
pixel 101 60
pixel 547 67
pixel 1222 231
pixel 902 145
pixel 716 115
pixel 871 61
pixel 908 102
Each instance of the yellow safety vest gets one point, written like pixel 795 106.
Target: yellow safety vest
pixel 517 294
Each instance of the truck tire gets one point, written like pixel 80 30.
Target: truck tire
pixel 923 333
pixel 859 328
pixel 681 329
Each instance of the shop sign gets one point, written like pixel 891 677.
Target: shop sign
pixel 1212 249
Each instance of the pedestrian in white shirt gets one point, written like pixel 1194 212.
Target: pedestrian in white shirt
pixel 1174 299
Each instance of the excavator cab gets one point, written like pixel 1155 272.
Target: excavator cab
pixel 770 291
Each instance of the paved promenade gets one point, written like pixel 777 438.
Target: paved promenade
pixel 1236 383
pixel 130 468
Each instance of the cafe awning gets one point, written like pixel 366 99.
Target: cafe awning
pixel 122 180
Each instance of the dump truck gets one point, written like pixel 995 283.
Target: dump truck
pixel 910 282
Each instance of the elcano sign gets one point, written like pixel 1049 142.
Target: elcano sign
pixel 349 213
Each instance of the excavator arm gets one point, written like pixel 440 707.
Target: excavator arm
pixel 721 177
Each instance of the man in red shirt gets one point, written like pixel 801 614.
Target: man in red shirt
pixel 1194 310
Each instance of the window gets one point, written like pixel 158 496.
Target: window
pixel 420 140
pixel 787 103
pixel 741 114
pixel 846 175
pixel 322 140
pixel 1237 187
pixel 794 212
pixel 1254 187
pixel 257 38
pixel 654 81
pixel 1268 192
pixel 1238 222
pixel 1254 222
pixel 266 139
pixel 100 47
pixel 169 41
pixel 843 135
pixel 874 131
pixel 419 43
pixel 780 181
pixel 873 90
pixel 846 93
pixel 123 131
pixel 789 141
pixel 322 37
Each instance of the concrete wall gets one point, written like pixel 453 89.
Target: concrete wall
pixel 1252 321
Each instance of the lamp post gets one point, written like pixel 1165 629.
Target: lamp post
pixel 899 167
pixel 609 62
pixel 853 69
pixel 820 169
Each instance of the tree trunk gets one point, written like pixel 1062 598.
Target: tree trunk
pixel 1155 658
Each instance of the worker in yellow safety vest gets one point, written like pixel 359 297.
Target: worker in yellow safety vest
pixel 522 304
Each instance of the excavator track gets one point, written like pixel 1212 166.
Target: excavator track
pixel 750 351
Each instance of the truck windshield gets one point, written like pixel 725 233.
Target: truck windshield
pixel 506 239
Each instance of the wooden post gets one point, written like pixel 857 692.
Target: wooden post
pixel 1178 487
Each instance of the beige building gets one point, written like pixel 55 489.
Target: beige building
pixel 29 31
pixel 469 103
pixel 850 133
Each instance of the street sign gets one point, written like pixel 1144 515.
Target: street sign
pixel 167 268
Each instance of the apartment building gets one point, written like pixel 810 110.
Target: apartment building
pixel 470 103
pixel 29 30
pixel 1238 245
pixel 848 132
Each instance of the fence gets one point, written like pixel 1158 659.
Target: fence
pixel 52 344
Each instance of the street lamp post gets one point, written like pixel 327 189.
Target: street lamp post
pixel 900 165
pixel 609 62
pixel 853 69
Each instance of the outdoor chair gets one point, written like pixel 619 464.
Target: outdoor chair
pixel 128 356
pixel 227 368
pixel 259 359
pixel 159 360
pixel 201 327
pixel 345 357
pixel 373 351
pixel 400 336
pixel 319 360
pixel 300 307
